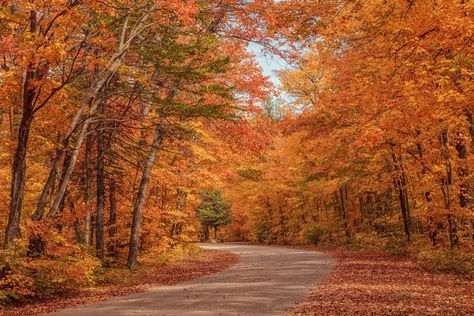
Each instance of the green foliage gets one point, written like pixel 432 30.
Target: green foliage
pixel 391 243
pixel 272 109
pixel 178 54
pixel 177 252
pixel 250 174
pixel 444 260
pixel 263 232
pixel 214 210
pixel 313 233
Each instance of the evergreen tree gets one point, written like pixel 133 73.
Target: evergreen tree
pixel 213 212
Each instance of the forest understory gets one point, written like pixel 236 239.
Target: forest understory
pixel 163 271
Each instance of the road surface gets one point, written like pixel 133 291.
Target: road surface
pixel 266 281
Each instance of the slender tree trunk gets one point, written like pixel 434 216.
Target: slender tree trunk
pixel 100 244
pixel 140 199
pixel 446 184
pixel 206 233
pixel 92 99
pixel 343 192
pixel 17 188
pixel 269 211
pixel 463 172
pixel 400 182
pixel 88 189
pixel 468 188
pixel 47 188
pixel 470 119
pixel 282 223
pixel 145 110
pixel 18 181
pixel 112 217
pixel 19 162
pixel 63 172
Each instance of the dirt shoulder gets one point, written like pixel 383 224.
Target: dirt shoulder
pixel 209 262
pixel 366 283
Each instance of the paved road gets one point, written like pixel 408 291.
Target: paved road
pixel 266 281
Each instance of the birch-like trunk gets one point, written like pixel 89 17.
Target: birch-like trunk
pixel 140 199
pixel 128 34
pixel 100 244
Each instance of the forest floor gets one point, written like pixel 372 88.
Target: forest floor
pixel 367 283
pixel 266 281
pixel 146 277
pixel 362 283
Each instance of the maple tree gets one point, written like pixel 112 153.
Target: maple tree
pixel 112 114
pixel 378 151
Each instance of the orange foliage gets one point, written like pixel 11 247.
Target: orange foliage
pixel 379 149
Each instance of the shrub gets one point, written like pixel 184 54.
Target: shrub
pixel 158 256
pixel 15 281
pixel 24 277
pixel 313 233
pixel 447 260
pixel 263 232
pixel 60 275
pixel 367 240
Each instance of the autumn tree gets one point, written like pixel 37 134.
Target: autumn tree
pixel 113 112
pixel 377 148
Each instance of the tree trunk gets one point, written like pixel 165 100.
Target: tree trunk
pixel 112 217
pixel 470 119
pixel 67 158
pixel 400 182
pixel 344 211
pixel 145 110
pixel 18 181
pixel 206 233
pixel 446 184
pixel 92 99
pixel 48 186
pixel 468 188
pixel 139 201
pixel 17 188
pixel 100 244
pixel 88 189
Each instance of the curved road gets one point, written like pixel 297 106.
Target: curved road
pixel 266 281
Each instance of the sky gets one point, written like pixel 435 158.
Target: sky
pixel 270 63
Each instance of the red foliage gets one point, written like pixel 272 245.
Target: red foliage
pixel 366 283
